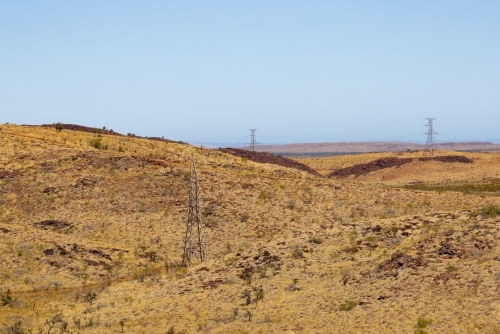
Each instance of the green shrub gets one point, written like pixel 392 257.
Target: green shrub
pixel 58 126
pixel 97 143
pixel 259 294
pixel 347 305
pixel 7 299
pixel 142 207
pixel 262 195
pixel 490 211
pixel 421 324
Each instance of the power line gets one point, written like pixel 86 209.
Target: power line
pixel 252 139
pixel 430 144
pixel 194 241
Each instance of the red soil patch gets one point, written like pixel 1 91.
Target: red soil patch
pixel 382 163
pixel 4 174
pixel 52 224
pixel 268 158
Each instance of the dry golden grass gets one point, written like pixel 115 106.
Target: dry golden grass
pixel 331 256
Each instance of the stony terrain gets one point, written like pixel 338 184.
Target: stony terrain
pixel 383 163
pixel 268 158
pixel 91 228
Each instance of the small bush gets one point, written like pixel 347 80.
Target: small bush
pixel 90 297
pixel 490 211
pixel 58 126
pixel 421 324
pixel 97 143
pixel 347 305
pixel 316 240
pixel 122 323
pixel 142 207
pixel 16 328
pixel 208 211
pixel 297 252
pixel 247 295
pixel 259 294
pixel 7 299
pixel 262 195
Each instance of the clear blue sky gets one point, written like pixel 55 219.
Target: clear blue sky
pixel 298 71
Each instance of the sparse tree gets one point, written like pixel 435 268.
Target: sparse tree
pixel 249 315
pixel 90 297
pixel 122 323
pixel 235 312
pixel 259 294
pixel 55 320
pixel 247 295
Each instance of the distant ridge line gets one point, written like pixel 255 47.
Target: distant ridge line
pixel 328 149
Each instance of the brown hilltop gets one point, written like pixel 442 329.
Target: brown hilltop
pixel 268 158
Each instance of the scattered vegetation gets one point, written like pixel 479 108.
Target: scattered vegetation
pixel 421 325
pixel 7 299
pixel 97 143
pixel 347 305
pixel 256 292
pixel 90 297
pixel 490 211
pixel 317 240
pixel 466 188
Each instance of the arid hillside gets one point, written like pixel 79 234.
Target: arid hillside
pixel 92 226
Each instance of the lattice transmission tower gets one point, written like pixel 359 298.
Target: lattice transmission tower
pixel 195 244
pixel 431 142
pixel 252 139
